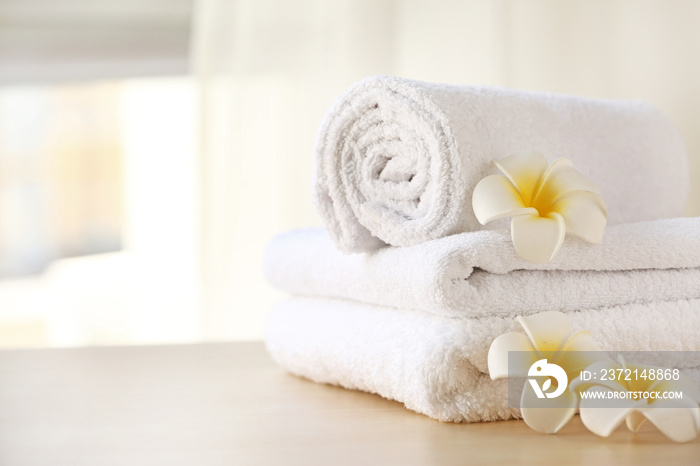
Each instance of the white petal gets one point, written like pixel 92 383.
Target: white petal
pixel 525 171
pixel 634 421
pixel 585 215
pixel 548 331
pixel 495 197
pixel 679 420
pixel 602 416
pixel 537 239
pixel 560 178
pixel 498 355
pixel 547 415
pixel 582 341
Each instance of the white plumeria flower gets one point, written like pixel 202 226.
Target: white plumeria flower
pixel 546 203
pixel 548 335
pixel 678 419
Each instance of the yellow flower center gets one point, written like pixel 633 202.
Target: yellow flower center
pixel 538 199
pixel 543 206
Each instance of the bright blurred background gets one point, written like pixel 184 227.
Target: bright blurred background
pixel 150 148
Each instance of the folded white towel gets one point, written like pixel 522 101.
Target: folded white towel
pixel 397 160
pixel 479 273
pixel 437 365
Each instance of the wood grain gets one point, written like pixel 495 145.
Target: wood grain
pixel 228 404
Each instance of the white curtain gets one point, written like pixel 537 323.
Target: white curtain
pixel 269 69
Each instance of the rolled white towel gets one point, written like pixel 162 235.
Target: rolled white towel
pixel 397 160
pixel 437 365
pixel 479 273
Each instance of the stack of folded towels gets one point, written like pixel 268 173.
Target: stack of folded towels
pixel 405 291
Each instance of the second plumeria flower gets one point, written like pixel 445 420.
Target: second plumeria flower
pixel 546 203
pixel 677 416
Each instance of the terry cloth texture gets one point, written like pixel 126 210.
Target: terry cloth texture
pixel 397 160
pixel 480 274
pixel 438 365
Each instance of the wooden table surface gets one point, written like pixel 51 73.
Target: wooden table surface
pixel 229 404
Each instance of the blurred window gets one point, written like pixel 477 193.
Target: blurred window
pixel 60 174
pixel 97 173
